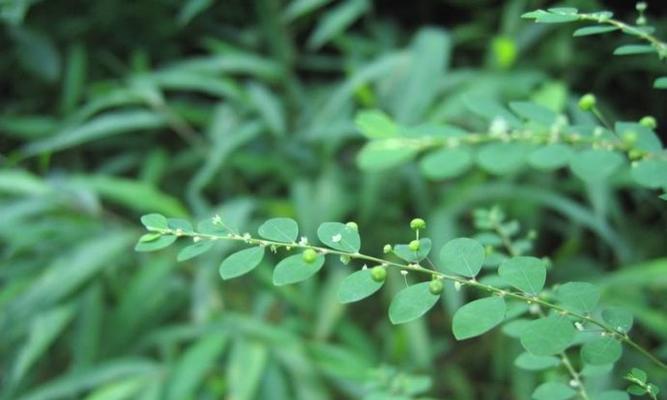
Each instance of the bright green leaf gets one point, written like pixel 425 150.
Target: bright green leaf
pixel 157 244
pixel 374 124
pixel 478 317
pixel 463 255
pixel 294 269
pixel 601 351
pixel 241 262
pixel 194 250
pixel 550 157
pixel 404 252
pixel 527 274
pixel 660 83
pixel 595 165
pixel 411 303
pixel 630 49
pixel 548 336
pixel 154 222
pixel 553 391
pixel 284 230
pixel 339 236
pixel 446 163
pixel 358 286
pixel 532 362
pixel 579 296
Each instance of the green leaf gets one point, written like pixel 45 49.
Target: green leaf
pixel 578 296
pixel 601 351
pixel 358 286
pixel 594 30
pixel 630 49
pixel 502 158
pixel 284 230
pixel 651 173
pixel 194 250
pixel 553 391
pixel 611 395
pixel 527 274
pixel 548 336
pixel 660 83
pixel 534 112
pixel 411 303
pixel 403 251
pixel 638 374
pixel 550 157
pixel 478 317
pixel 241 262
pixel 381 154
pixel 463 255
pixel 553 16
pixel 294 269
pixel 154 222
pixel 374 124
pixel 180 224
pixel 646 140
pixel 335 21
pixel 446 163
pixel 157 244
pixel 595 165
pixel 636 390
pixel 618 319
pixel 339 236
pixel 532 362
pixel 491 110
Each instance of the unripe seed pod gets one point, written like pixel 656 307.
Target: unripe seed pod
pixel 649 122
pixel 378 274
pixel 414 245
pixel 587 102
pixel 436 287
pixel 629 138
pixel 417 223
pixel 309 255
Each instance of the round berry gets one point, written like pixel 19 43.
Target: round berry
pixel 435 287
pixel 417 224
pixel 309 255
pixel 649 122
pixel 587 102
pixel 352 225
pixel 379 274
pixel 414 245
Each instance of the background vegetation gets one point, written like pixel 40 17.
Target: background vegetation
pixel 113 109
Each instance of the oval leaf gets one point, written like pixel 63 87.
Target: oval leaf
pixel 194 250
pixel 502 158
pixel 404 252
pixel 595 165
pixel 339 236
pixel 650 173
pixel 532 362
pixel 548 336
pixel 358 286
pixel 550 157
pixel 156 244
pixel 553 391
pixel 411 303
pixel 446 163
pixel 579 296
pixel 601 351
pixel 294 269
pixel 478 317
pixel 385 153
pixel 154 222
pixel 527 274
pixel 463 255
pixel 241 262
pixel 284 230
pixel 618 319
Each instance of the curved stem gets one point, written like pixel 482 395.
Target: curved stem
pixel 529 299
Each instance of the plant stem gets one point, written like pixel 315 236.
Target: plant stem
pixel 529 299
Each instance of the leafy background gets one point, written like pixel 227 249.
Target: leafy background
pixel 188 108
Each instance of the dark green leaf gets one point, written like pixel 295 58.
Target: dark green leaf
pixel 595 165
pixel 284 230
pixel 527 274
pixel 550 157
pixel 601 351
pixel 411 303
pixel 157 244
pixel 579 296
pixel 594 30
pixel 404 252
pixel 194 250
pixel 357 286
pixel 532 362
pixel 553 391
pixel 478 317
pixel 294 269
pixel 339 236
pixel 548 336
pixel 463 255
pixel 241 262
pixel 630 49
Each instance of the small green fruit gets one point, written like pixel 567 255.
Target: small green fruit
pixel 435 287
pixel 417 224
pixel 309 255
pixel 352 225
pixel 649 122
pixel 629 138
pixel 414 245
pixel 386 249
pixel 587 102
pixel 379 274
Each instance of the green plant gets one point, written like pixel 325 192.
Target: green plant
pixel 564 316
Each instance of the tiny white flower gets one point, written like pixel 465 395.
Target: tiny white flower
pixel 574 383
pixel 579 326
pixel 457 285
pixel 534 309
pixel 498 127
pixel 365 267
pixel 303 241
pixel 196 239
pixel 247 236
pixel 217 220
pixel 404 272
pixel 336 238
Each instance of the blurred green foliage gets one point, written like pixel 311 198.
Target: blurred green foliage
pixel 114 109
